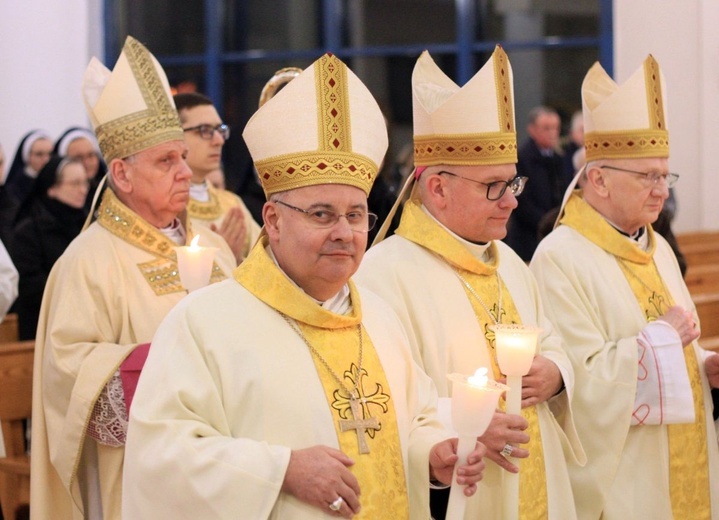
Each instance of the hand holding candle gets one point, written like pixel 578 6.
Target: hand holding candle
pixel 516 347
pixel 474 400
pixel 195 264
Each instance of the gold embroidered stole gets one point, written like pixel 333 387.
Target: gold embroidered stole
pixel 381 471
pixel 418 227
pixel 161 273
pixel 688 458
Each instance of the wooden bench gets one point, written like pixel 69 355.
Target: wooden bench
pixel 708 310
pixel 9 328
pixel 16 366
pixel 703 278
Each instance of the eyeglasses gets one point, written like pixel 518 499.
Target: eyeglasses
pixel 208 131
pixel 651 179
pixel 360 221
pixel 496 189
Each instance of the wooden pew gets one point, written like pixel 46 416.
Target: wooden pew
pixel 16 367
pixel 8 328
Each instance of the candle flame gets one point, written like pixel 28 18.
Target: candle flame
pixel 479 378
pixel 194 244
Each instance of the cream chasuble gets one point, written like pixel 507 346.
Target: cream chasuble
pixel 105 295
pixel 426 275
pixel 601 290
pixel 354 382
pixel 688 461
pixel 205 213
pixel 484 286
pixel 230 388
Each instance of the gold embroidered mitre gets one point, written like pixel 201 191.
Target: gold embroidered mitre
pixel 627 121
pixel 131 108
pixel 324 127
pixel 472 125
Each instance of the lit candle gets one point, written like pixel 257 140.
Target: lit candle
pixel 516 347
pixel 195 264
pixel 474 401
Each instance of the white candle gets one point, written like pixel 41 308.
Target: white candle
pixel 195 264
pixel 516 346
pixel 474 400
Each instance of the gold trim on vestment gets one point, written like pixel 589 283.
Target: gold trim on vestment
pixel 161 273
pixel 688 456
pixel 626 144
pixel 420 228
pixel 486 148
pixel 138 131
pixel 333 162
pixel 295 170
pixel 380 472
pixel 503 83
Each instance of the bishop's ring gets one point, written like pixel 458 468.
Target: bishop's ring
pixel 337 504
pixel 507 450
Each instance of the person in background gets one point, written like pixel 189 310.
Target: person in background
pixel 80 143
pixel 218 210
pixel 110 289
pixel 50 218
pixel 613 289
pixel 538 160
pixel 32 153
pixel 573 143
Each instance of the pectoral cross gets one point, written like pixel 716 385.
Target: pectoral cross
pixel 360 424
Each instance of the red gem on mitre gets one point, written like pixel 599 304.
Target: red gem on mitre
pixel 477 148
pixel 336 143
pixel 630 143
pixel 450 149
pixel 322 166
pixel 333 112
pixel 290 170
pixel 332 82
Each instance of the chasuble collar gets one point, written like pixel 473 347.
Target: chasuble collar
pixel 259 274
pixel 209 209
pixel 422 229
pixel 161 273
pixel 582 217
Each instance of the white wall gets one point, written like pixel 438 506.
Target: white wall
pixel 682 36
pixel 45 46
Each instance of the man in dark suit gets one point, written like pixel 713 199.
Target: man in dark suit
pixel 538 159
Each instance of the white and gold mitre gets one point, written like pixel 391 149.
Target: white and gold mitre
pixel 131 108
pixel 472 125
pixel 324 127
pixel 625 121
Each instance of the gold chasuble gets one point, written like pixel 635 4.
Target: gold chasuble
pixel 688 464
pixel 161 273
pixel 347 364
pixel 492 304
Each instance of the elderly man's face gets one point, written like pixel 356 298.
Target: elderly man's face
pixel 634 201
pixel 469 213
pixel 159 180
pixel 319 260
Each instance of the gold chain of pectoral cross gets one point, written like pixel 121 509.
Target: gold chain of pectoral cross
pixel 656 300
pixel 358 422
pixel 496 319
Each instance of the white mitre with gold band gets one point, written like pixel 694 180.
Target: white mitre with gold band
pixel 472 125
pixel 324 127
pixel 131 108
pixel 628 120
